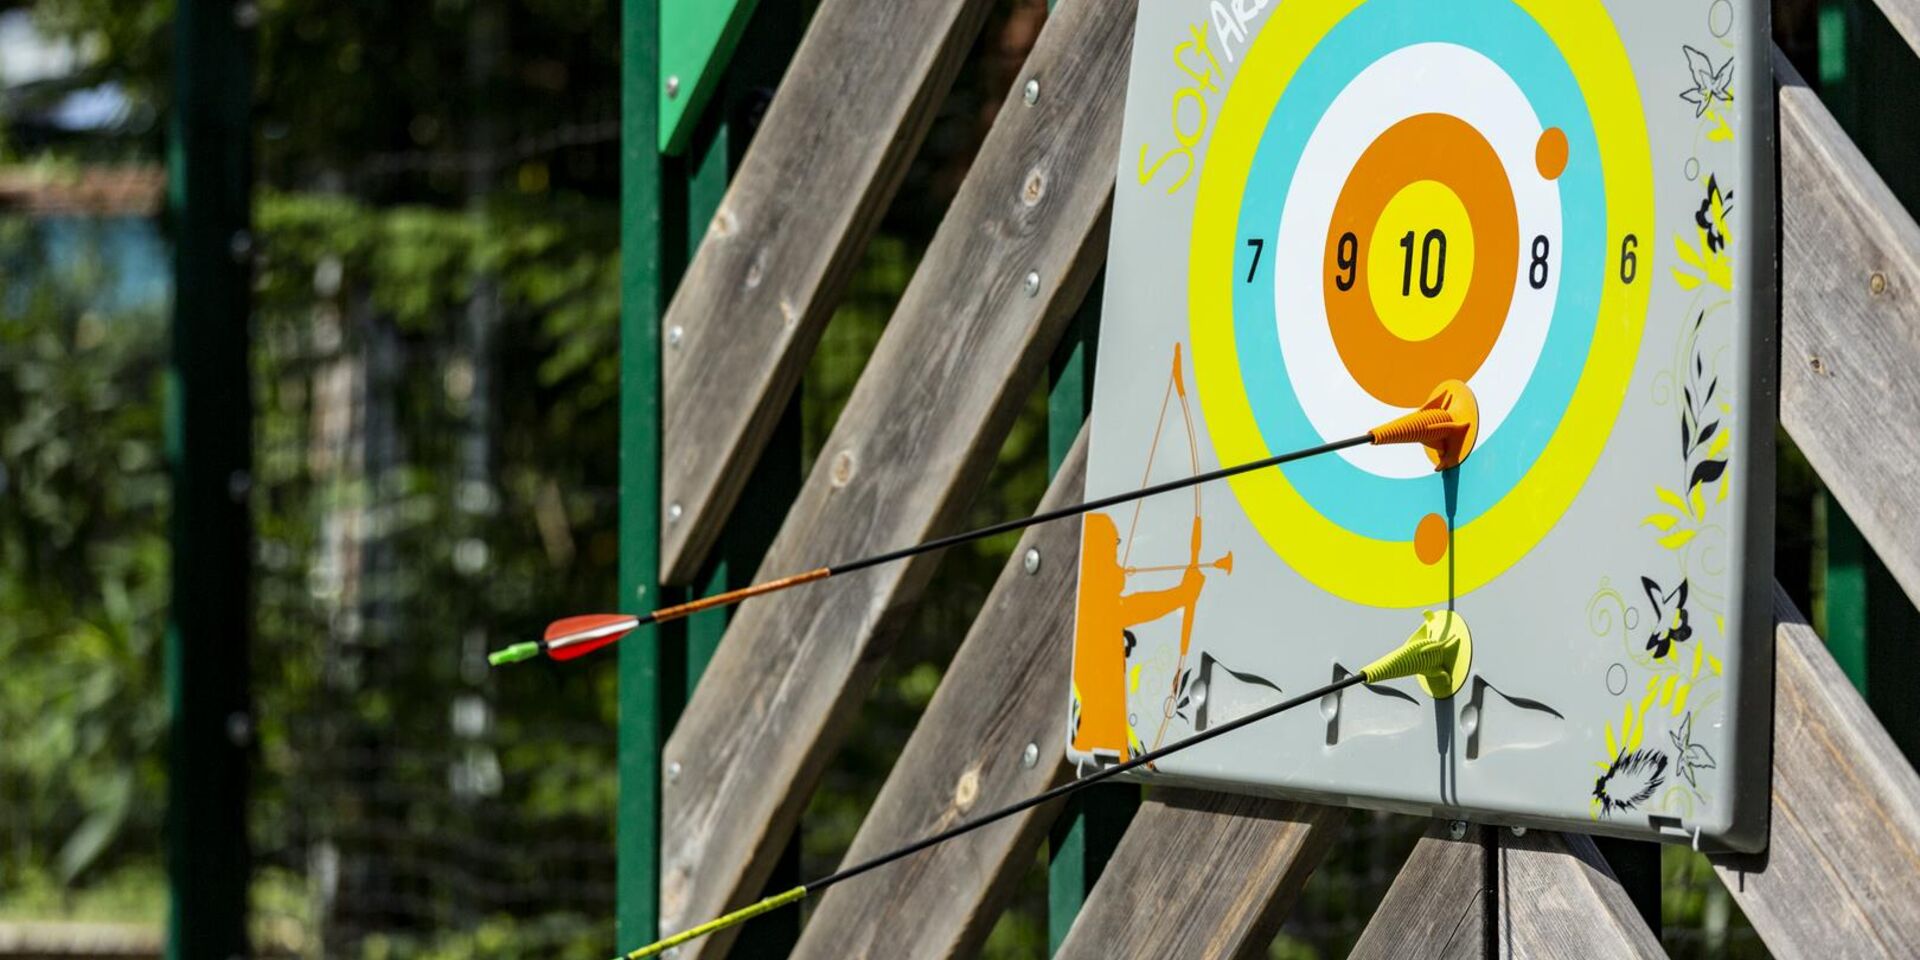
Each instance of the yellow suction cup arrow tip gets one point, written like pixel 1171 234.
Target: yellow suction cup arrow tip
pixel 1447 425
pixel 1440 653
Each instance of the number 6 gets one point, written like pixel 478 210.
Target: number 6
pixel 1629 261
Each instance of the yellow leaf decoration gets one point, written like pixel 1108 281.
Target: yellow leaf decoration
pixel 1632 727
pixel 1660 521
pixel 1670 692
pixel 1719 444
pixel 1677 539
pixel 1721 132
pixel 1672 499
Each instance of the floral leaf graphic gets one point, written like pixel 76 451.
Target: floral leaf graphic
pixel 1707 472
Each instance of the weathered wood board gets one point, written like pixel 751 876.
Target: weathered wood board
pixel 1437 906
pixel 1202 875
pixel 1849 327
pixel 966 345
pixel 992 735
pixel 1553 896
pixel 1841 877
pixel 849 115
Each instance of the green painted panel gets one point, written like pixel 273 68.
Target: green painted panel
pixel 697 39
pixel 1845 599
pixel 643 709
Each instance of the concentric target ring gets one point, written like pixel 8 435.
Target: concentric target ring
pixel 1272 364
pixel 1427 148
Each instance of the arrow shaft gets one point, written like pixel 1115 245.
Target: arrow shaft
pixel 986 819
pixel 1440 428
pixel 667 614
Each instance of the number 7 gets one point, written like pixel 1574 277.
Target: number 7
pixel 1258 246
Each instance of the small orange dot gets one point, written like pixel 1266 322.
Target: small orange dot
pixel 1430 539
pixel 1550 154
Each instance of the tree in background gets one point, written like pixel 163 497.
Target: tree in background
pixel 436 381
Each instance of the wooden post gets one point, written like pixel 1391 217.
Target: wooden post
pixel 210 424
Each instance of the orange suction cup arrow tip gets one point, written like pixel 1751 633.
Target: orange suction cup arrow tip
pixel 1447 425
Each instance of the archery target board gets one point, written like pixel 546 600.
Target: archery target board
pixel 1324 209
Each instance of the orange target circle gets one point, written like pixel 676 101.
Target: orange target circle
pixel 1447 150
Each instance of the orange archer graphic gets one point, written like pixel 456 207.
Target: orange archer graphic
pixel 1106 611
pixel 1100 642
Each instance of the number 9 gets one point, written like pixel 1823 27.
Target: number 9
pixel 1347 256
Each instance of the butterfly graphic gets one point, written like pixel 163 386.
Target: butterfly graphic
pixel 1708 84
pixel 1711 217
pixel 1669 617
pixel 1690 757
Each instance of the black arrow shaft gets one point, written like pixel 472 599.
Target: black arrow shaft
pixel 1067 789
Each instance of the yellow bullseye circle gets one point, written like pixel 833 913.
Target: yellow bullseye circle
pixel 1420 260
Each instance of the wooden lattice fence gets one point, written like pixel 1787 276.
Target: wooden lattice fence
pixel 1197 874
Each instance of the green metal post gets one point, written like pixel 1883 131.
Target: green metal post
pixel 643 664
pixel 1090 826
pixel 209 426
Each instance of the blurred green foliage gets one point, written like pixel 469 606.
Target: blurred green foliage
pixel 418 504
pixel 83 554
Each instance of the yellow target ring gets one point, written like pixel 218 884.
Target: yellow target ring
pixel 1423 216
pixel 1388 572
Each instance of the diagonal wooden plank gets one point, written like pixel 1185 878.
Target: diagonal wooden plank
pixel 1555 897
pixel 1905 17
pixel 1202 874
pixel 1850 327
pixel 964 350
pixel 1558 898
pixel 1003 696
pixel 1841 875
pixel 1437 905
pixel 847 118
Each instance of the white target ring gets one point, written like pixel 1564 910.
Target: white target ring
pixel 1437 78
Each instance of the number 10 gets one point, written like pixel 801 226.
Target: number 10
pixel 1430 264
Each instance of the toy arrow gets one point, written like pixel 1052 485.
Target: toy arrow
pixel 1446 425
pixel 1434 652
